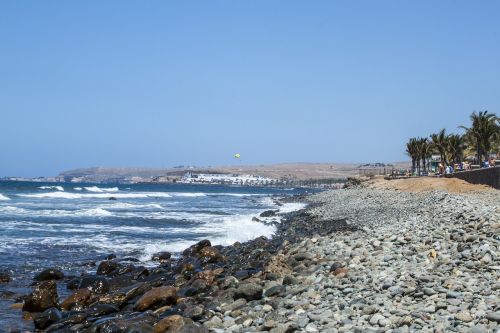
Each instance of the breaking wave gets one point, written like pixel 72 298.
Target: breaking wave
pixel 101 190
pixel 3 197
pixel 58 188
pixel 67 195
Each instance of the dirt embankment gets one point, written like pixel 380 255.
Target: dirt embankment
pixel 424 184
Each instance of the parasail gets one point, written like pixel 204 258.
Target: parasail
pixel 237 155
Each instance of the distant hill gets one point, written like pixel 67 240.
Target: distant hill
pixel 299 171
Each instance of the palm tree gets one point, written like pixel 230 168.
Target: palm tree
pixel 483 133
pixel 425 151
pixel 455 147
pixel 411 150
pixel 439 142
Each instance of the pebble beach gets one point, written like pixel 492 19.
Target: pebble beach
pixel 361 259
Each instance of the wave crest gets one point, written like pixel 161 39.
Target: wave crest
pixel 58 188
pixel 101 190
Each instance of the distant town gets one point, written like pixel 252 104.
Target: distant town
pixel 320 175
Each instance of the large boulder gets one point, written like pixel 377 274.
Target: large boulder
pixel 49 274
pixel 157 297
pixel 47 318
pixel 107 267
pixel 78 299
pixel 209 254
pixel 162 256
pixel 178 324
pixel 169 324
pixel 194 249
pixel 249 291
pixel 4 277
pixel 268 213
pixel 96 284
pixel 43 297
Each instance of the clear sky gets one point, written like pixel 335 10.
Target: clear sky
pixel 163 83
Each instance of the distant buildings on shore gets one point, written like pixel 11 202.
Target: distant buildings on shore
pixel 192 177
pixel 226 179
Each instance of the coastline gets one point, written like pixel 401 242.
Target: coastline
pixel 364 258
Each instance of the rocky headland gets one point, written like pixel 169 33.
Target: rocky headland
pixel 362 259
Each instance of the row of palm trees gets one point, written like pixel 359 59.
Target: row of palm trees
pixel 479 140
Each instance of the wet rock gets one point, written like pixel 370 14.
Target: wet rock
pixel 209 254
pixel 194 312
pixel 96 284
pixel 78 299
pixel 4 277
pixel 47 318
pixel 194 249
pixel 178 324
pixel 73 283
pixel 49 274
pixel 157 297
pixel 126 323
pixel 101 309
pixel 249 291
pixel 43 297
pixel 169 324
pixel 107 267
pixel 268 213
pixel 162 256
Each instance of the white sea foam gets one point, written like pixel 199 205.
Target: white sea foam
pixel 185 194
pixel 291 207
pixel 18 211
pixel 101 190
pixel 3 197
pixel 77 188
pixel 58 188
pixel 126 205
pixel 241 228
pixel 67 195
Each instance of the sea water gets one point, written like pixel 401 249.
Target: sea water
pixel 66 225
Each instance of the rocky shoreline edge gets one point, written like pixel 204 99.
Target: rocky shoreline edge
pixel 356 260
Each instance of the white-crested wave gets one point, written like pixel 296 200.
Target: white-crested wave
pixel 67 195
pixel 187 194
pixel 126 205
pixel 101 190
pixel 77 188
pixel 92 212
pixel 3 197
pixel 58 188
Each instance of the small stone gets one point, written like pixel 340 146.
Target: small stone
pixel 478 329
pixel 267 308
pixel 464 316
pixel 493 316
pixel 375 318
pixel 311 328
pixel 384 322
pixel 290 280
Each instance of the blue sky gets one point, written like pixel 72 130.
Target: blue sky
pixel 163 83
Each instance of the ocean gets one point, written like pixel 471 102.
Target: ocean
pixel 67 225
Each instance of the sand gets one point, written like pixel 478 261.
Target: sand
pixel 424 184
